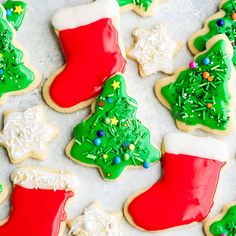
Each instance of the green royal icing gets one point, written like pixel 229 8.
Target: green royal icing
pixel 14 75
pixel 1 188
pixel 228 28
pixel 126 143
pixel 191 96
pixel 227 225
pixel 15 12
pixel 142 3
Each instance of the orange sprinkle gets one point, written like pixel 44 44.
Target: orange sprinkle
pixel 233 16
pixel 209 105
pixel 205 75
pixel 210 79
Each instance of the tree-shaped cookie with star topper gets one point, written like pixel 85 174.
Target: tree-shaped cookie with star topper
pixel 16 75
pixel 141 7
pixel 223 22
pixel 26 134
pixel 200 96
pixel 112 138
pixel 15 12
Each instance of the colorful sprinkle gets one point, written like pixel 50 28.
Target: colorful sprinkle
pixel 101 104
pixel 117 160
pixel 131 147
pixel 146 165
pixel 192 65
pixel 1 72
pixel 9 12
pixel 233 16
pixel 97 141
pixel 209 105
pixel 220 22
pixel 100 133
pixel 205 75
pixel 126 156
pixel 110 100
pixel 107 120
pixel 206 61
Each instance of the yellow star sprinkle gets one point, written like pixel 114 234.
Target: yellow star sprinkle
pixel 115 85
pixel 18 10
pixel 114 121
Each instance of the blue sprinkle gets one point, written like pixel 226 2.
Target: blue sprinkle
pixel 146 165
pixel 9 12
pixel 220 22
pixel 117 160
pixel 97 141
pixel 1 72
pixel 206 61
pixel 100 133
pixel 126 144
pixel 110 100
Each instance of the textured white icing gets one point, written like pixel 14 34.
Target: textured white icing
pixel 95 222
pixel 26 132
pixel 154 50
pixel 34 178
pixel 73 17
pixel 204 147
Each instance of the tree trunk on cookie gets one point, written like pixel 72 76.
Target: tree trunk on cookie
pixel 112 138
pixel 92 52
pixel 185 192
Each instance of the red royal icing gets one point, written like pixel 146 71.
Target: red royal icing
pixel 36 212
pixel 92 55
pixel 183 195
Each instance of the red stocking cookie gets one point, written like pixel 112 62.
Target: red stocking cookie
pixel 90 43
pixel 39 200
pixel 185 193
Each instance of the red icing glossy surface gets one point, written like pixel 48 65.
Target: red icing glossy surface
pixel 183 195
pixel 35 212
pixel 92 55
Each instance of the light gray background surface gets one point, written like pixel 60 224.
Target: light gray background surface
pixel 183 17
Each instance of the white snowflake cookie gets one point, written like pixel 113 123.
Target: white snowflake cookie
pixel 154 50
pixel 26 134
pixel 95 221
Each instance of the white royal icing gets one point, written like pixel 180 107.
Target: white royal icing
pixel 154 50
pixel 70 18
pixel 204 147
pixel 26 132
pixel 95 222
pixel 36 178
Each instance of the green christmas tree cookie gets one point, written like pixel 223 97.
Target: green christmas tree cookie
pixel 142 7
pixel 224 22
pixel 223 224
pixel 15 75
pixel 199 96
pixel 15 12
pixel 112 138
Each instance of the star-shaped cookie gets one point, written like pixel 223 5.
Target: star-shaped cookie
pixel 95 221
pixel 154 50
pixel 26 134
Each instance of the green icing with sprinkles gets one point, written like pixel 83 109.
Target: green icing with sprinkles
pixel 112 138
pixel 196 100
pixel 227 225
pixel 225 25
pixel 14 75
pixel 15 12
pixel 145 4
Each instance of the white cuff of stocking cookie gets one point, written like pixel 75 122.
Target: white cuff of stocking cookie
pixel 204 147
pixel 37 178
pixel 70 18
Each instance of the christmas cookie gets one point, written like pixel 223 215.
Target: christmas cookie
pixel 26 134
pixel 224 22
pixel 200 96
pixel 95 221
pixel 92 51
pixel 15 12
pixel 191 169
pixel 16 76
pixel 223 224
pixel 39 200
pixel 142 7
pixel 154 50
pixel 3 192
pixel 112 138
